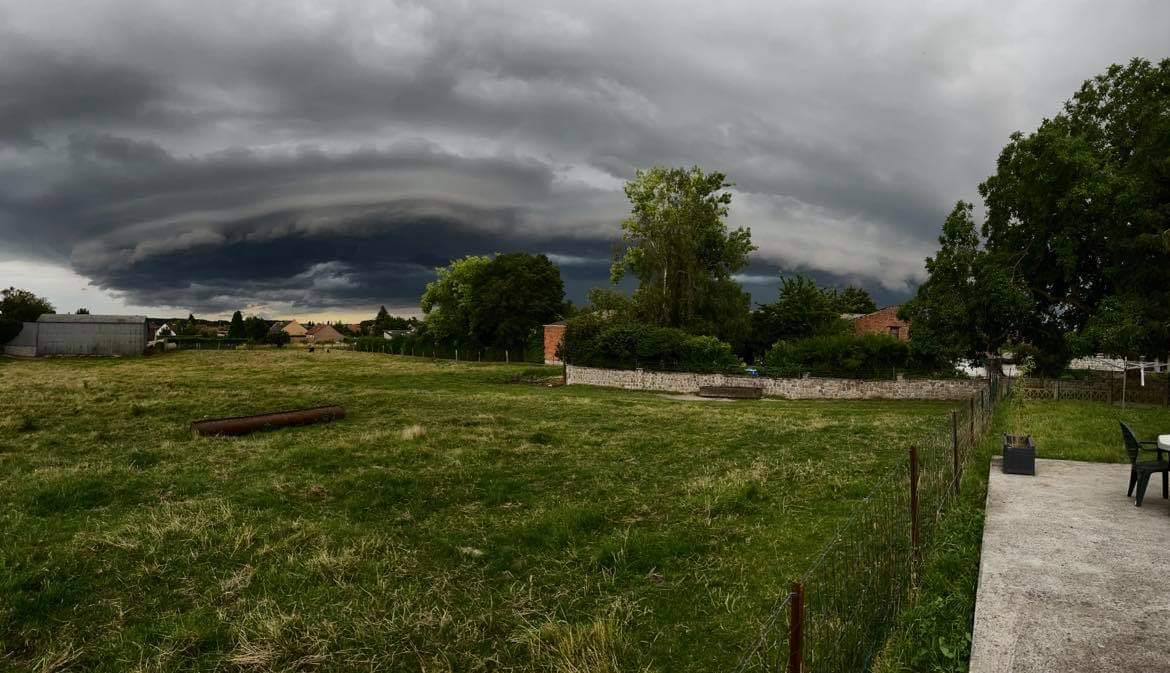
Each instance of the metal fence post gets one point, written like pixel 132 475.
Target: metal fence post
pixel 796 629
pixel 915 530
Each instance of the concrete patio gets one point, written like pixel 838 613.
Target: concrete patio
pixel 1073 576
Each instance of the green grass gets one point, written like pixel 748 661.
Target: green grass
pixel 934 635
pixel 456 520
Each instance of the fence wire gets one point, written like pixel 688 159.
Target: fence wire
pixel 864 575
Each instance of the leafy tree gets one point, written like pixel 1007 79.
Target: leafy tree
pixel 382 321
pixel 680 250
pixel 190 326
pixel 236 329
pixel 853 300
pixel 970 305
pixel 83 311
pixel 22 305
pixel 801 310
pixel 256 329
pixel 278 339
pixel 448 300
pixel 610 303
pixel 513 295
pixel 1080 209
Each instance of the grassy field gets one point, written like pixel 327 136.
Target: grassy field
pixel 935 634
pixel 456 520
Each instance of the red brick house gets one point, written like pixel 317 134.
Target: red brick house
pixel 554 336
pixel 882 321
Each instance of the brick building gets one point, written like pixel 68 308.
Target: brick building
pixel 882 321
pixel 554 335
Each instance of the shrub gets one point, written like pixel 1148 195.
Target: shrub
pixel 591 341
pixel 9 329
pixel 846 355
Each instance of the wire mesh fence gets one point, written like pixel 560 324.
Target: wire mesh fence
pixel 836 616
pixel 447 351
pixel 1110 387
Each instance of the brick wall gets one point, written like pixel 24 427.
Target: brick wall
pixel 793 389
pixel 880 322
pixel 554 334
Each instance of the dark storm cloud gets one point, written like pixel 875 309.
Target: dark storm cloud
pixel 307 156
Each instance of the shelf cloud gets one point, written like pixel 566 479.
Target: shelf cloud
pixel 320 156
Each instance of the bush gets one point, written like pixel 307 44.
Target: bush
pixel 845 355
pixel 9 329
pixel 592 342
pixel 278 339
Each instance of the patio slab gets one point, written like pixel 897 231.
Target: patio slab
pixel 1073 576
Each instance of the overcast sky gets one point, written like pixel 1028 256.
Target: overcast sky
pixel 317 159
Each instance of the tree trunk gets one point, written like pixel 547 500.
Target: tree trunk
pixel 993 363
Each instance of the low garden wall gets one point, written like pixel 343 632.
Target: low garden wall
pixel 793 389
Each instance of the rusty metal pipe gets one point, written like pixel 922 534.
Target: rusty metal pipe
pixel 242 425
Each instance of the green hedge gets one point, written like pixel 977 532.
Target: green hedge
pixel 423 345
pixel 845 355
pixel 594 342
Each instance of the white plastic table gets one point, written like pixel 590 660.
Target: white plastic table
pixel 1164 442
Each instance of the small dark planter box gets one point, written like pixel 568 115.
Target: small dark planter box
pixel 1019 455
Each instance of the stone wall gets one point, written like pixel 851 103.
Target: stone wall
pixel 793 389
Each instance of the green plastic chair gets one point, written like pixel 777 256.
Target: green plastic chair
pixel 1140 471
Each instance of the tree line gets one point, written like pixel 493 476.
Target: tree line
pixel 1071 256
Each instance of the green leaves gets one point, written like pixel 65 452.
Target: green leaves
pixel 972 304
pixel 594 341
pixel 236 329
pixel 22 305
pixel 493 302
pixel 679 248
pixel 1081 208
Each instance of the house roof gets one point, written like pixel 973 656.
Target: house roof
pixel 855 316
pixel 92 319
pixel 327 331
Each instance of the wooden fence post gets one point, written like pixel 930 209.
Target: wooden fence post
pixel 972 444
pixel 915 530
pixel 955 447
pixel 796 629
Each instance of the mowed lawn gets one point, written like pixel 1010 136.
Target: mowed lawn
pixel 456 520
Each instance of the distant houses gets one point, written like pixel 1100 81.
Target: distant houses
pixel 295 331
pixel 320 334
